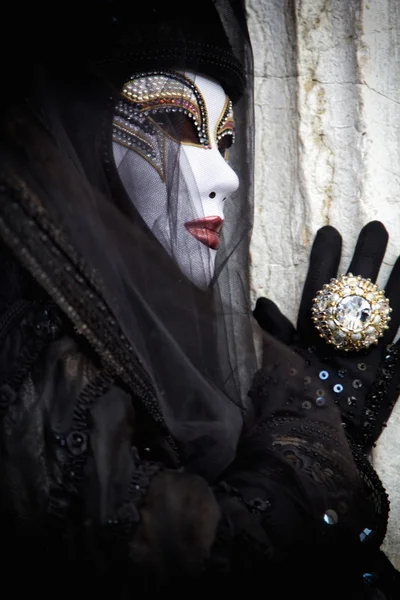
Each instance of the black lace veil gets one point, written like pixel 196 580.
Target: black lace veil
pixel 68 213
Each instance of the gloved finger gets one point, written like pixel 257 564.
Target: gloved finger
pixel 324 263
pixel 369 251
pixel 270 318
pixel 278 356
pixel 392 292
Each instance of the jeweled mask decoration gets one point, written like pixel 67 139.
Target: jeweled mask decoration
pixel 171 133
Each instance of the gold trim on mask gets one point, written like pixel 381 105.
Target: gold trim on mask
pixel 128 143
pixel 169 91
pixel 226 123
pixel 143 97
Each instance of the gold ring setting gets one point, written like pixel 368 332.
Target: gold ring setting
pixel 351 312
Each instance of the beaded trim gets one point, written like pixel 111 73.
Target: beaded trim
pixel 77 445
pixel 168 91
pixel 150 93
pixel 374 490
pixel 377 399
pixel 226 124
pixel 137 132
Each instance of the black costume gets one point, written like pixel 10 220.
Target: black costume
pixel 132 456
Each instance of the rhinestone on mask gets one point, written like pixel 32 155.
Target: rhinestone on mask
pixel 146 96
pixel 226 125
pixel 169 91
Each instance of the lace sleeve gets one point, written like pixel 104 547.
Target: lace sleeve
pixel 299 492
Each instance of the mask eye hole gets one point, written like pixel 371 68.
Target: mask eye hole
pixel 178 126
pixel 224 144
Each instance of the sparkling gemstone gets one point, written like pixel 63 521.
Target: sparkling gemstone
pixel 353 313
pixel 323 302
pixel 370 339
pixel 352 281
pixel 339 337
pixel 383 307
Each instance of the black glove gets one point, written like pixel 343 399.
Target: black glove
pixel 365 384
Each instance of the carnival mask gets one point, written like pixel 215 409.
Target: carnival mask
pixel 171 134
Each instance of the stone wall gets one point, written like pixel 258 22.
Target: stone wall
pixel 327 95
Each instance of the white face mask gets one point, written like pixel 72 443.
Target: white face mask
pixel 195 174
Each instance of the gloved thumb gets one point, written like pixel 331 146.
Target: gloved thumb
pixel 270 319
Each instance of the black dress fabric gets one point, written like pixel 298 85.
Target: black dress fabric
pixel 91 489
pixel 133 458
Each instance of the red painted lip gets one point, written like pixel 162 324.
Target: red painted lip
pixel 206 230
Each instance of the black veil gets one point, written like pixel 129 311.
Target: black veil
pixel 185 352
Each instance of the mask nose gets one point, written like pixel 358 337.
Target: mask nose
pixel 215 179
pixel 222 179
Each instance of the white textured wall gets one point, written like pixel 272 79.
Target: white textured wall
pixel 327 151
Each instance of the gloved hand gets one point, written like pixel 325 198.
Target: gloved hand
pixel 365 384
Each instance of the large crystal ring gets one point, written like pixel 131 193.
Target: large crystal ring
pixel 351 312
